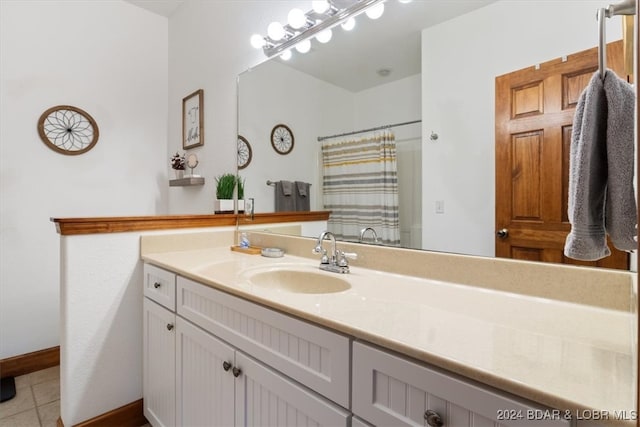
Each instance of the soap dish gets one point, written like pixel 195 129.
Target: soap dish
pixel 272 252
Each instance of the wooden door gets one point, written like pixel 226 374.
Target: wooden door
pixel 534 116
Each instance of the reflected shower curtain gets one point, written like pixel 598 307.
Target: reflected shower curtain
pixel 360 186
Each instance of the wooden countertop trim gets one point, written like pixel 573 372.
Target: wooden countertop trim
pixel 100 225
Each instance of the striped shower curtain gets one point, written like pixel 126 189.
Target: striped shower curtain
pixel 360 186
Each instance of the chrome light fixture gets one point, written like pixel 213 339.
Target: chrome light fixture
pixel 318 22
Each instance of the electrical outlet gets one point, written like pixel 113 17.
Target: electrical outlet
pixel 439 206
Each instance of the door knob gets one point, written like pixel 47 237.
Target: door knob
pixel 433 419
pixel 226 365
pixel 169 326
pixel 503 233
pixel 236 372
pixel 156 285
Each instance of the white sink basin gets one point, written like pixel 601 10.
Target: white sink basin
pixel 297 280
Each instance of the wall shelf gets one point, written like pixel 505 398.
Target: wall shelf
pixel 185 182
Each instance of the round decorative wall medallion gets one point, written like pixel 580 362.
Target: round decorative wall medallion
pixel 244 152
pixel 282 139
pixel 68 130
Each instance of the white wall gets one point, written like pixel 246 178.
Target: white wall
pixel 458 75
pixel 110 59
pixel 208 48
pixel 274 93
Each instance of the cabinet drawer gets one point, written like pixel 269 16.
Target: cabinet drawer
pixel 309 354
pixel 390 390
pixel 160 286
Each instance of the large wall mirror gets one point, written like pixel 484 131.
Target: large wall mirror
pixel 434 63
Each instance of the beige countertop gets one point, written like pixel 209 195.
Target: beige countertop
pixel 565 355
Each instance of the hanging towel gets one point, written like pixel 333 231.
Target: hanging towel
pixel 285 201
pixel 600 171
pixel 620 213
pixel 303 201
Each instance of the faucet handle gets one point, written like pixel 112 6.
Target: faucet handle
pixel 342 258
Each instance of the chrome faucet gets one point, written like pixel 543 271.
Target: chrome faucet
pixel 337 261
pixel 373 233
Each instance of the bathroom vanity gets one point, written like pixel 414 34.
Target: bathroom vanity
pixel 237 339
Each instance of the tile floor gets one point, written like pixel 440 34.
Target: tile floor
pixel 37 400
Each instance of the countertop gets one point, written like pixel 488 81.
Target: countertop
pixel 564 355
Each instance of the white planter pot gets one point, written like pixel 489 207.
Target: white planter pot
pixel 227 206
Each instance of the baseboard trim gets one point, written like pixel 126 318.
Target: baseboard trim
pixel 130 415
pixel 29 362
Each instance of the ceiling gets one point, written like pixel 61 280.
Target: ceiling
pixel 161 7
pixel 352 60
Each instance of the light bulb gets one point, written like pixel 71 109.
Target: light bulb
pixel 296 18
pixel 257 41
pixel 324 36
pixel 320 6
pixel 286 55
pixel 376 11
pixel 349 24
pixel 275 31
pixel 304 46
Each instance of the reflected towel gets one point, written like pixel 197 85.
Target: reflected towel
pixel 302 188
pixel 284 200
pixel 287 187
pixel 303 202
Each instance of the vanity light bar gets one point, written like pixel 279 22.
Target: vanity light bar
pixel 327 20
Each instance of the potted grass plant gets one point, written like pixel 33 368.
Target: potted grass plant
pixel 225 188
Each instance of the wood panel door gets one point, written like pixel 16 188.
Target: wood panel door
pixel 534 116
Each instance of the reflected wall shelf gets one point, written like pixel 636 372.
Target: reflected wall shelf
pixel 187 181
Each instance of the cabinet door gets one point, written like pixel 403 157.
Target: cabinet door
pixel 205 384
pixel 314 356
pixel 390 390
pixel 266 398
pixel 159 383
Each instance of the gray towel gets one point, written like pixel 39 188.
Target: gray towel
pixel 621 213
pixel 303 202
pixel 599 170
pixel 285 201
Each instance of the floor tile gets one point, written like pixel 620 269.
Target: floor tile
pixel 45 375
pixel 49 414
pixel 23 381
pixel 46 392
pixel 20 403
pixel 23 419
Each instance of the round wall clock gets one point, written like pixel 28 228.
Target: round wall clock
pixel 68 130
pixel 244 152
pixel 282 139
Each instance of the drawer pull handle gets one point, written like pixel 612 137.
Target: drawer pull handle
pixel 236 372
pixel 156 285
pixel 433 419
pixel 226 365
pixel 169 326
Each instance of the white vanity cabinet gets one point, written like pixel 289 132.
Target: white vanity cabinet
pixel 391 390
pixel 159 363
pixel 199 378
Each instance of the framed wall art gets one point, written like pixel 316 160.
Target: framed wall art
pixel 193 120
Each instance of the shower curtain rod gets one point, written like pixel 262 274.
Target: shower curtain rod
pixel 322 138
